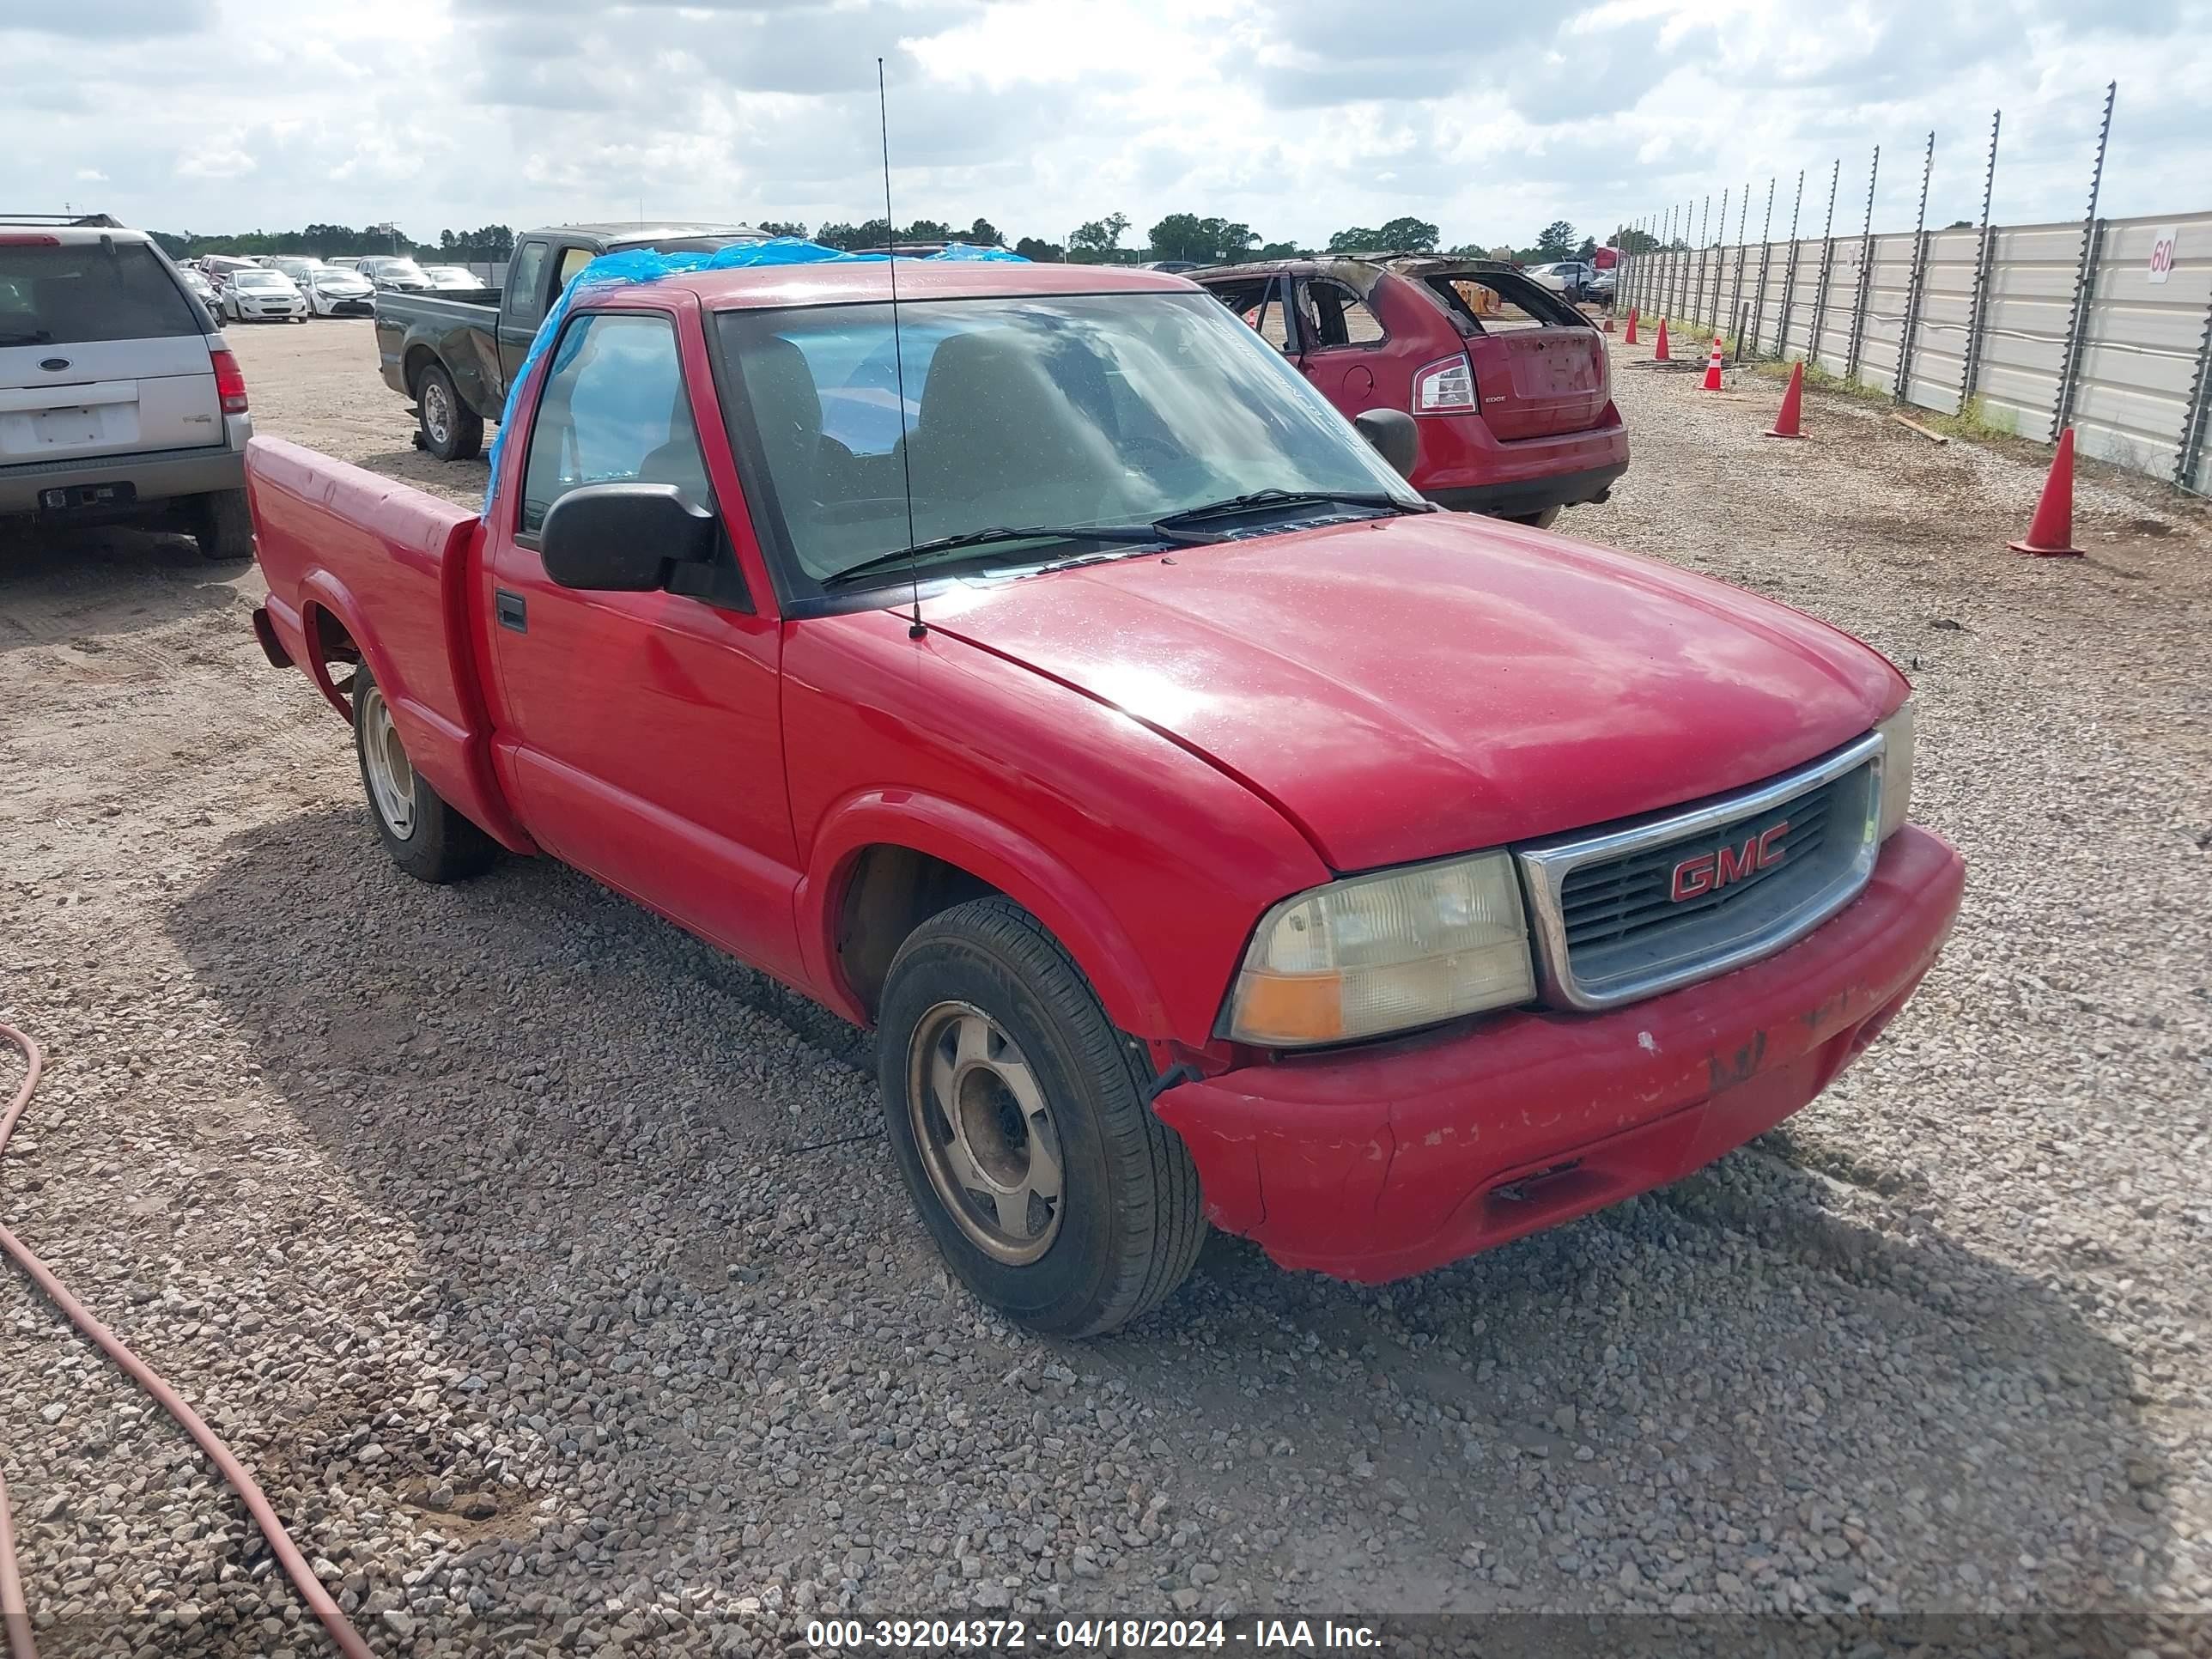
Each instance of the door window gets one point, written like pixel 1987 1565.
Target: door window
pixel 613 411
pixel 1336 316
pixel 573 259
pixel 1259 301
pixel 525 285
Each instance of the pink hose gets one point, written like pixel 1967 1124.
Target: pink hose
pixel 13 1611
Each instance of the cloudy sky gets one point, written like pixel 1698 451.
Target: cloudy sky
pixel 1299 117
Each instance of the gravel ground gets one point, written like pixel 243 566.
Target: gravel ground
pixel 550 1272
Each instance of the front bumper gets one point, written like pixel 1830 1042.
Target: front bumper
pixel 1380 1162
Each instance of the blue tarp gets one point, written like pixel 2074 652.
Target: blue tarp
pixel 644 264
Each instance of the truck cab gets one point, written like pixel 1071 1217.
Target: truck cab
pixel 454 355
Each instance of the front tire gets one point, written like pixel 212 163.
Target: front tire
pixel 1543 519
pixel 451 429
pixel 1018 1115
pixel 426 837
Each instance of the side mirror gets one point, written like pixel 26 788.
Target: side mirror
pixel 624 538
pixel 1396 439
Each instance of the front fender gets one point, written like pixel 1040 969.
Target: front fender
pixel 1036 879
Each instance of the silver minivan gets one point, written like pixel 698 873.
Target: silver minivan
pixel 119 401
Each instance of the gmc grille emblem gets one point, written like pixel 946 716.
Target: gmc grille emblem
pixel 1708 872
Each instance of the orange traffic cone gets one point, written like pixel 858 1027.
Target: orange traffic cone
pixel 1713 380
pixel 2051 532
pixel 1659 352
pixel 1629 339
pixel 1787 422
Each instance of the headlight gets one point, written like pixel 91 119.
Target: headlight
pixel 1898 737
pixel 1385 953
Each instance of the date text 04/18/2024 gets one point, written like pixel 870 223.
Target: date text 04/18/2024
pixel 1078 1635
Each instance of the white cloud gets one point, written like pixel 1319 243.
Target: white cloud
pixel 1299 117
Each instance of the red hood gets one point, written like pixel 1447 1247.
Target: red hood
pixel 1410 686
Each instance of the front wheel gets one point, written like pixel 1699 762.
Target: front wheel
pixel 1018 1115
pixel 426 838
pixel 451 429
pixel 1543 519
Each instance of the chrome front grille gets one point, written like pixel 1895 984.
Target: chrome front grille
pixel 1644 907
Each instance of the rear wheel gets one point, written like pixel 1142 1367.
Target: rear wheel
pixel 223 526
pixel 451 429
pixel 1543 520
pixel 1018 1115
pixel 426 838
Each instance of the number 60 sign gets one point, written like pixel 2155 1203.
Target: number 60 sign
pixel 2161 254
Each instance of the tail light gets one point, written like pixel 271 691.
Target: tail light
pixel 229 383
pixel 1446 387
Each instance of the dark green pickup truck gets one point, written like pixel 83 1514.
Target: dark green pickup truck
pixel 452 356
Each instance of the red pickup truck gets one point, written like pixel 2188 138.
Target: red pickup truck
pixel 1211 830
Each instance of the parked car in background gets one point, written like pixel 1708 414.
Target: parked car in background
pixel 1570 278
pixel 333 293
pixel 297 266
pixel 197 285
pixel 1510 386
pixel 1601 282
pixel 452 357
pixel 118 401
pixel 220 268
pixel 1238 839
pixel 445 279
pixel 399 275
pixel 264 296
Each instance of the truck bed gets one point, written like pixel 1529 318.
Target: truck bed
pixel 362 568
pixel 462 334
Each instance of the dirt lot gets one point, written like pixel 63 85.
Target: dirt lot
pixel 550 1270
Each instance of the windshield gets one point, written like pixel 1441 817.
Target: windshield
pixel 262 279
pixel 338 279
pixel 400 270
pixel 1062 409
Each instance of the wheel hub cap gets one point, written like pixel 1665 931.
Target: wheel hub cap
pixel 390 776
pixel 985 1134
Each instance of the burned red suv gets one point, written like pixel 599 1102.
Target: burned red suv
pixel 1510 383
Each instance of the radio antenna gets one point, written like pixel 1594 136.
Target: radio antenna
pixel 915 629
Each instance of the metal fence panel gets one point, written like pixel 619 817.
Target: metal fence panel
pixel 1832 350
pixel 2032 272
pixel 1946 303
pixel 1889 285
pixel 2139 348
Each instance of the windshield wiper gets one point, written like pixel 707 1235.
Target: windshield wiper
pixel 1131 535
pixel 1259 498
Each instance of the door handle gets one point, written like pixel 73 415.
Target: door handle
pixel 512 612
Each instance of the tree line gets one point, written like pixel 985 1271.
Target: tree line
pixel 491 244
pixel 1203 239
